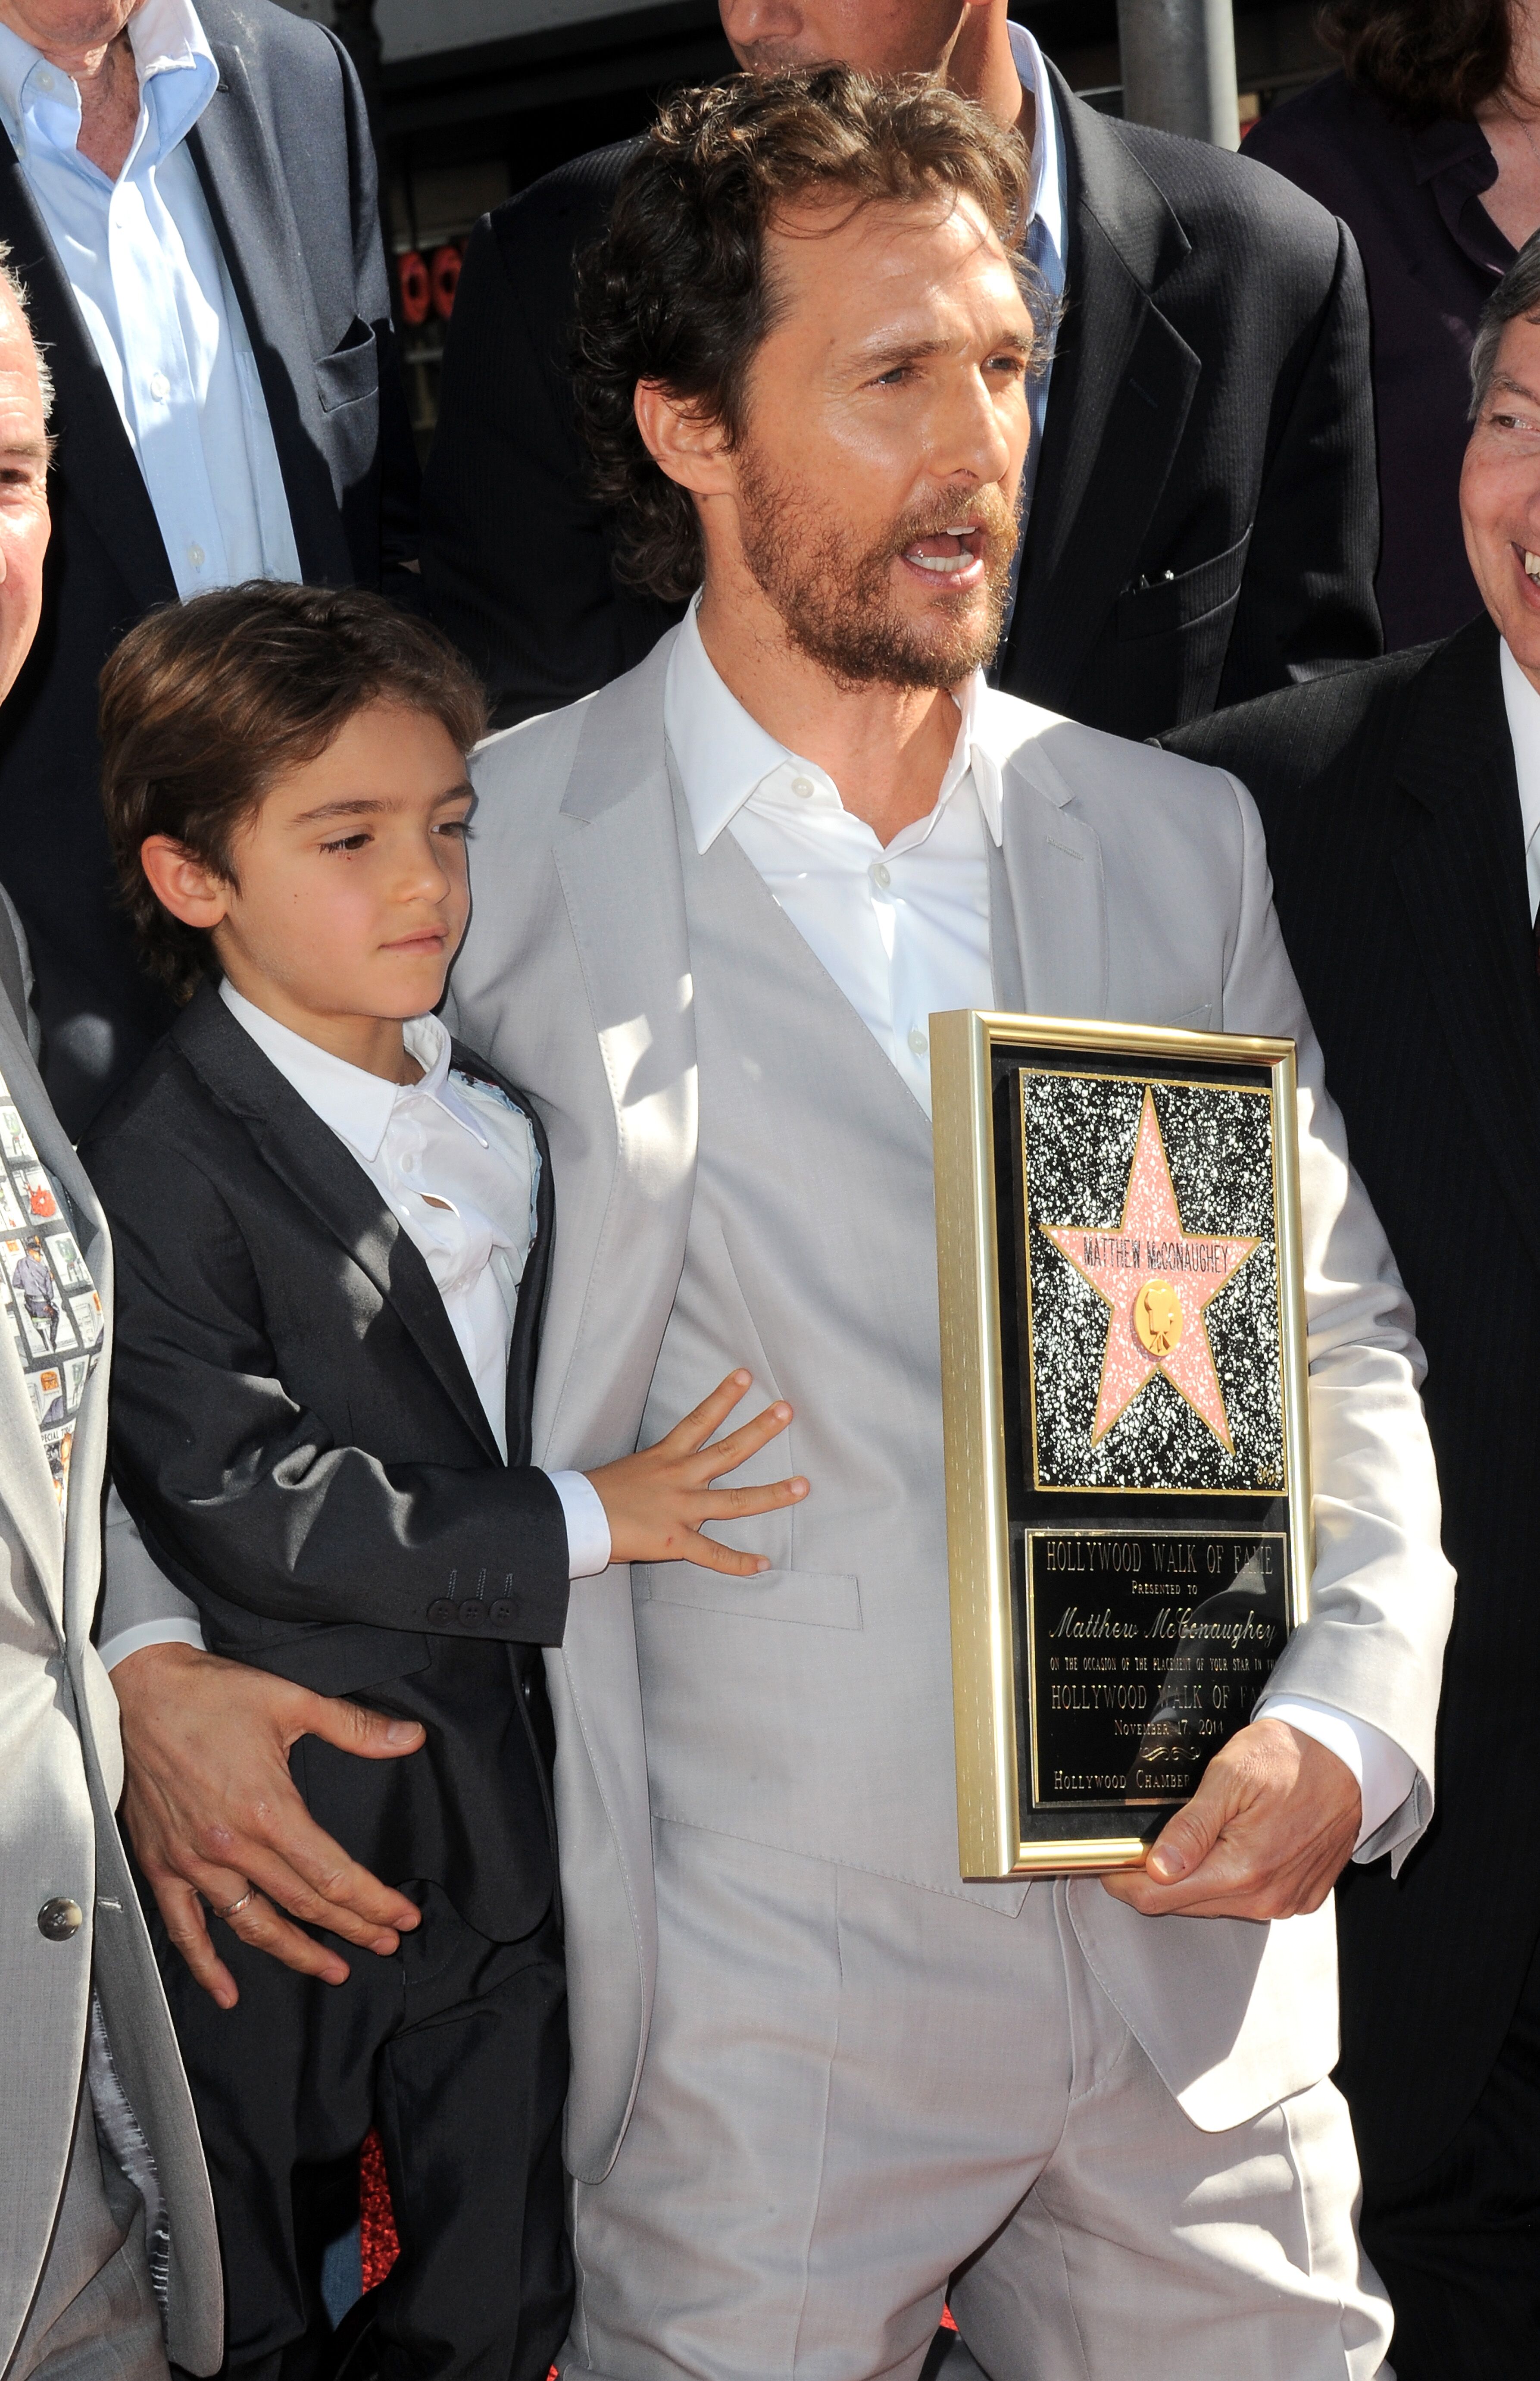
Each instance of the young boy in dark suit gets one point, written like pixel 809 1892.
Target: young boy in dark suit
pixel 333 1228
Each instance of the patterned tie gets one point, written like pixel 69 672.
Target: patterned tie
pixel 47 1291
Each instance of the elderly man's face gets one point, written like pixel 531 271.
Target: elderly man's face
pixel 1499 494
pixel 24 493
pixel 882 37
pixel 872 488
pixel 68 28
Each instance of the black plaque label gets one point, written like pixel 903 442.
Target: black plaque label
pixel 1146 1650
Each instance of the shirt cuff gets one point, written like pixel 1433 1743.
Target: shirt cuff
pixel 1385 1774
pixel 587 1523
pixel 149 1632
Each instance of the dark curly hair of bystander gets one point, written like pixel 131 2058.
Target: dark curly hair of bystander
pixel 1430 61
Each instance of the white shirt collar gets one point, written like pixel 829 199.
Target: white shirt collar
pixel 1522 705
pixel 724 755
pixel 1046 196
pixel 166 38
pixel 356 1106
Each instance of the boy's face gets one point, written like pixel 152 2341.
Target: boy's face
pixel 352 891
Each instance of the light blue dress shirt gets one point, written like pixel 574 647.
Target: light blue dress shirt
pixel 143 260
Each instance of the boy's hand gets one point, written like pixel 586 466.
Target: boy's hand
pixel 656 1500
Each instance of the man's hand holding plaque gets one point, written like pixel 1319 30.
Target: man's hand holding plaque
pixel 1266 1834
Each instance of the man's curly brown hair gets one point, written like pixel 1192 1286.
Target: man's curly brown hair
pixel 204 705
pixel 677 290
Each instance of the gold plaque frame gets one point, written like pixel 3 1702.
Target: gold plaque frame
pixel 984 1535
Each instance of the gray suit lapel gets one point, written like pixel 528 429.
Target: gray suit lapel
pixel 263 247
pixel 621 1240
pixel 1051 862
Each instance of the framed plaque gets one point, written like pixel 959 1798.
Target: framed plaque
pixel 1124 1394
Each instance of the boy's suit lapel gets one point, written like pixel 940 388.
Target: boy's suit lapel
pixel 535 1281
pixel 319 1169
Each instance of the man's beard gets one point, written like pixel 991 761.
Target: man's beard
pixel 839 607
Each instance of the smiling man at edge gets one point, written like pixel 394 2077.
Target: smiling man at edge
pixel 1402 807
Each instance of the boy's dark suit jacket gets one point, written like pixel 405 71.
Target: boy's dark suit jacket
pixel 1206 521
pixel 300 1439
pixel 285 160
pixel 1393 828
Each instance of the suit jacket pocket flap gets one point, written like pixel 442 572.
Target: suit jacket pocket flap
pixel 817 1599
pixel 1157 607
pixel 351 371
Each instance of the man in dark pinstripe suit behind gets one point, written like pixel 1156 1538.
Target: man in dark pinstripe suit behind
pixel 1402 809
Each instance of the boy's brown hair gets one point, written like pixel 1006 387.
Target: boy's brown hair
pixel 205 703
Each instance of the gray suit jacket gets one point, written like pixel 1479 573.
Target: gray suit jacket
pixel 63 1772
pixel 1134 886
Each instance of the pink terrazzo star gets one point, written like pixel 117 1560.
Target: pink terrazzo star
pixel 1156 1279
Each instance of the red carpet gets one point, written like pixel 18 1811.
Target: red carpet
pixel 376 2223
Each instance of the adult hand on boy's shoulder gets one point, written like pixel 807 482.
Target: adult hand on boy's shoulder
pixel 214 1815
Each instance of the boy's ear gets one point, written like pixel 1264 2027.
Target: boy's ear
pixel 183 884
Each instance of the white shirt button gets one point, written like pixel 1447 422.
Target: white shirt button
pixel 160 387
pixel 409 1164
pixel 882 874
pixel 917 1042
pixel 196 556
pixel 804 786
pixel 45 80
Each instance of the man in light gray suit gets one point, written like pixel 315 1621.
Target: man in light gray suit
pixel 108 2259
pixel 818 2080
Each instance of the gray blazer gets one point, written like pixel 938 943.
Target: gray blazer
pixel 1133 885
pixel 63 1774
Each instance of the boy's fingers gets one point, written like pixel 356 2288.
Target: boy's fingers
pixel 693 1433
pixel 736 1504
pixel 725 1455
pixel 710 1555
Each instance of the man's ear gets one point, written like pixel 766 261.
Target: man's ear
pixel 184 884
pixel 688 445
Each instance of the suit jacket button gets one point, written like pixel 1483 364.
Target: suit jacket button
pixel 502 1612
pixel 471 1613
pixel 60 1918
pixel 442 1610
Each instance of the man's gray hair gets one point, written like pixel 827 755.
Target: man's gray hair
pixel 11 280
pixel 1518 293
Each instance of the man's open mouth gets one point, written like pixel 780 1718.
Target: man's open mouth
pixel 949 553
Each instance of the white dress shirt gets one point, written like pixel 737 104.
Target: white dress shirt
pixel 457 1162
pixel 903 930
pixel 1522 705
pixel 143 260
